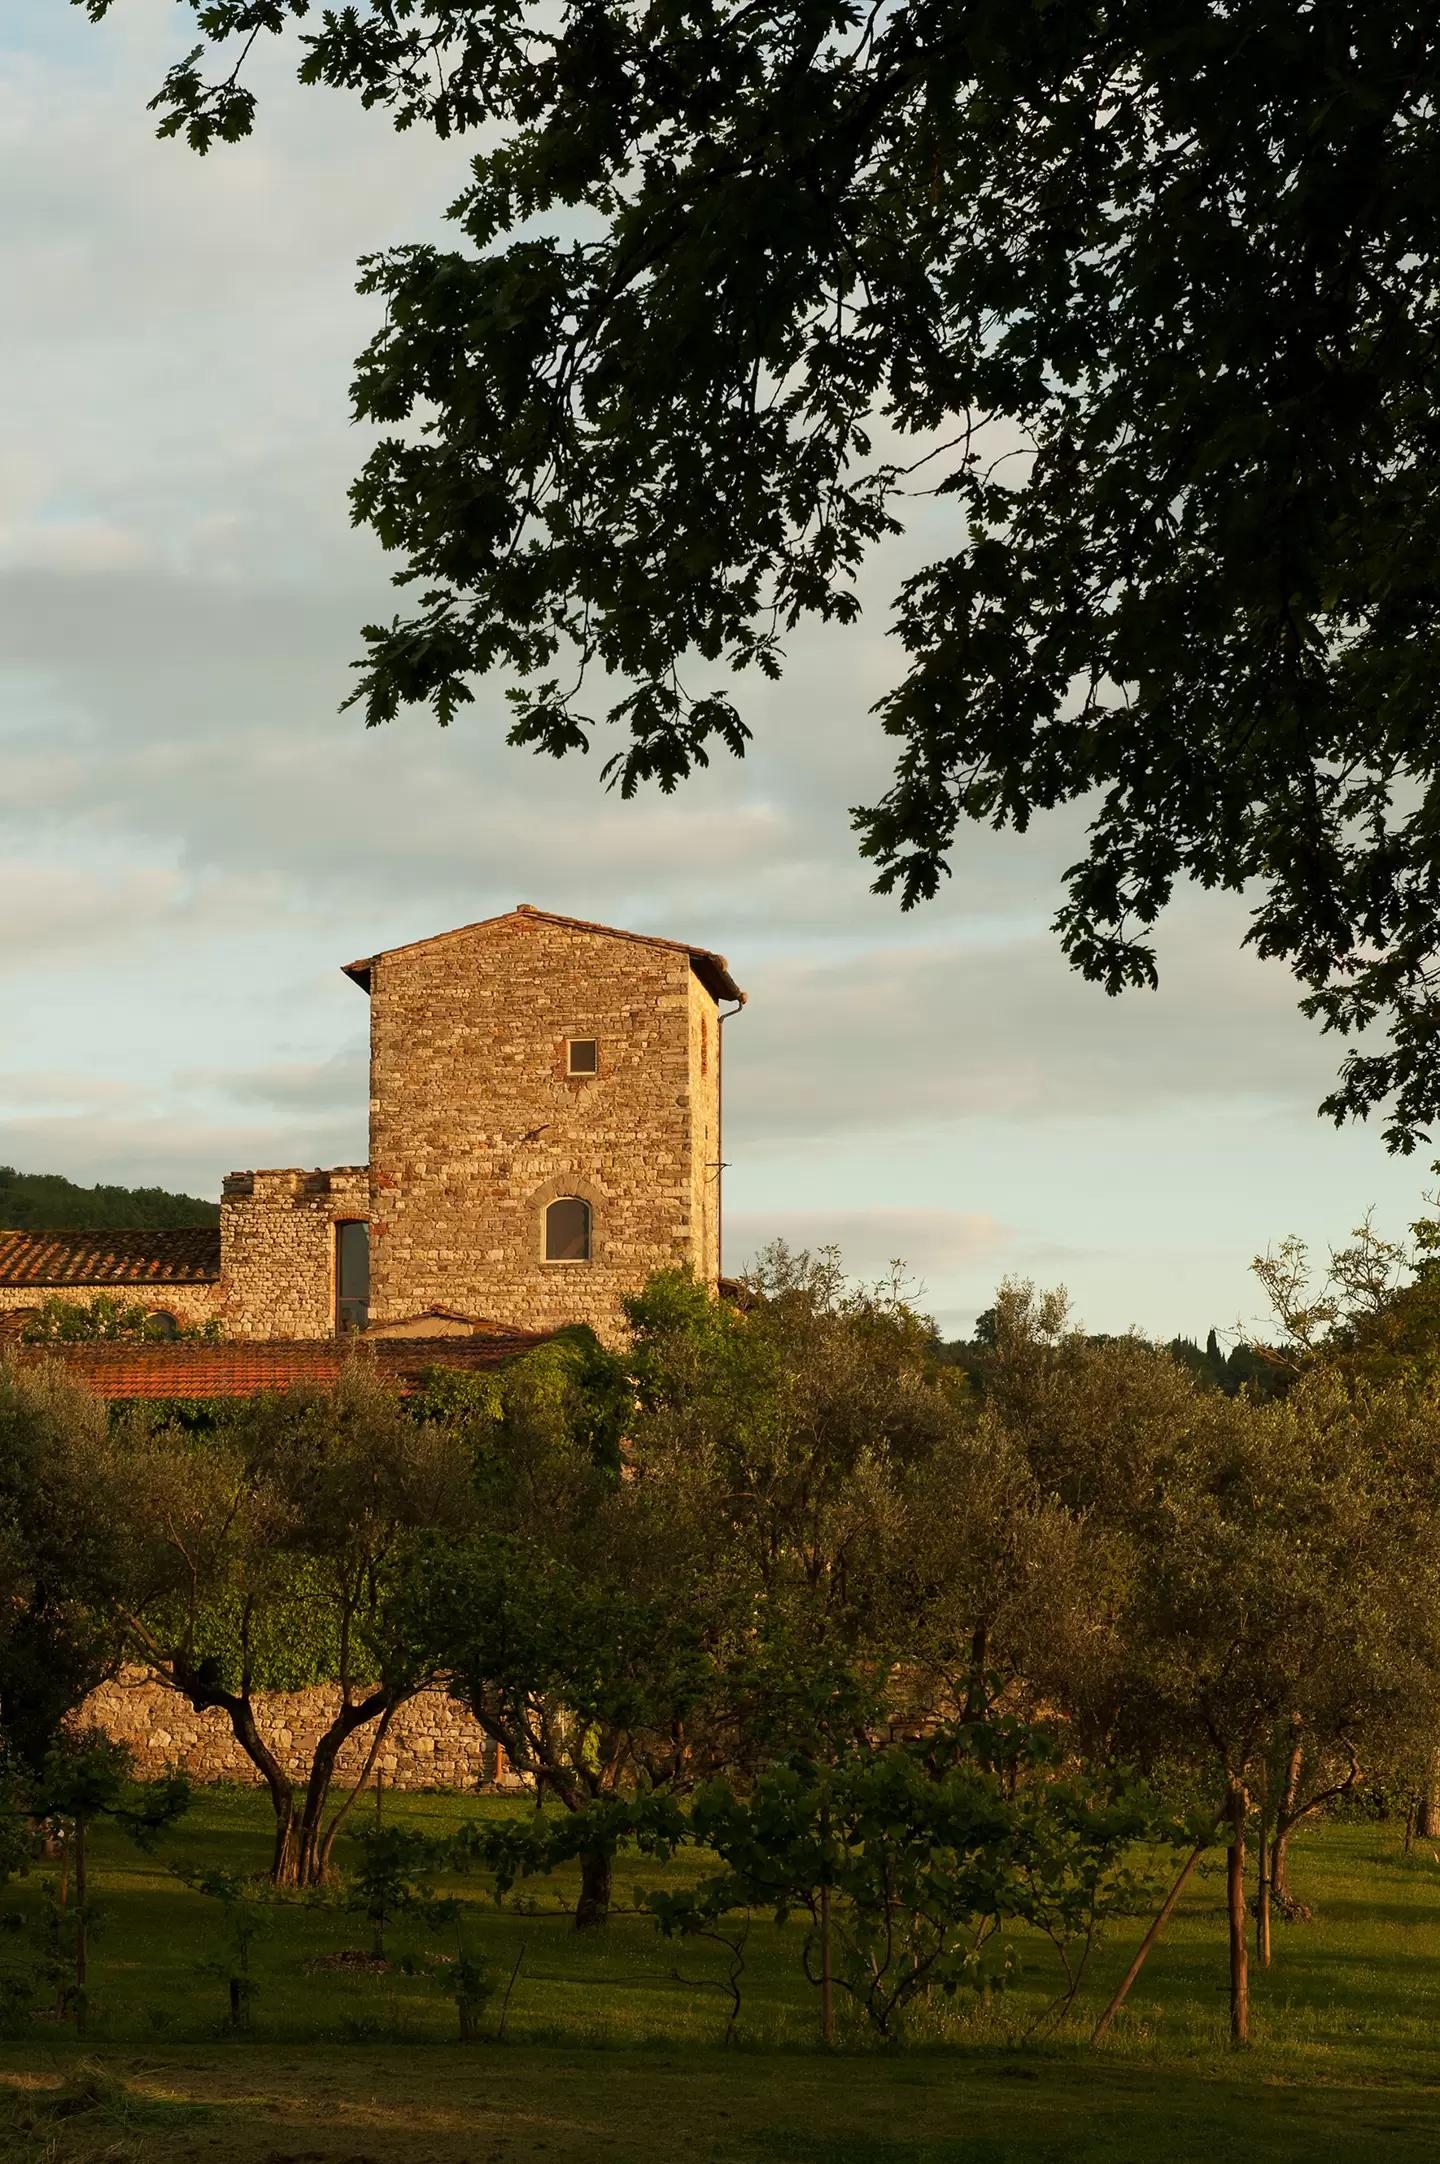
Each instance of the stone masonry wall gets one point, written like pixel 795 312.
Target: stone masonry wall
pixel 189 1304
pixel 277 1249
pixel 475 1123
pixel 432 1742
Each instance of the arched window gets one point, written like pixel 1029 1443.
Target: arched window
pixel 161 1323
pixel 567 1230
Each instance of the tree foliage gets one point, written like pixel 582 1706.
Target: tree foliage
pixel 61 1559
pixel 48 1202
pixel 108 1318
pixel 924 1853
pixel 1145 297
pixel 275 1550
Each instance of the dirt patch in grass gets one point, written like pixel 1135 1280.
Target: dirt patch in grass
pixel 351 1961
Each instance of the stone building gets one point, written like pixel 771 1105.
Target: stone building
pixel 545 1131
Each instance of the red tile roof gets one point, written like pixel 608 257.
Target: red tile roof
pixel 712 969
pixel 184 1255
pixel 193 1369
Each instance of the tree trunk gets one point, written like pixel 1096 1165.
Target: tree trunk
pixel 975 1687
pixel 1262 1900
pixel 301 1854
pixel 827 1981
pixel 311 1851
pixel 1427 1812
pixel 1237 1804
pixel 596 1872
pixel 327 1837
pixel 1286 1817
pixel 82 1929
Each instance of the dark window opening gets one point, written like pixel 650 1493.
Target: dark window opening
pixel 584 1055
pixel 567 1230
pixel 352 1276
pixel 161 1323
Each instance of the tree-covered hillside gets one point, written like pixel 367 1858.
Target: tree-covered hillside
pixel 48 1202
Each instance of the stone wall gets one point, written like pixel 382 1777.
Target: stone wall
pixel 277 1249
pixel 431 1743
pixel 476 1124
pixel 190 1304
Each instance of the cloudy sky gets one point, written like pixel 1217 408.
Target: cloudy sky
pixel 192 839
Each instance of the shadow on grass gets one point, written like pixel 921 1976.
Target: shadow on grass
pixel 488 2106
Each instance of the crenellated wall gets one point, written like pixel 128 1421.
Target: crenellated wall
pixel 277 1249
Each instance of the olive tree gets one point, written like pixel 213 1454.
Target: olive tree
pixel 273 1552
pixel 61 1556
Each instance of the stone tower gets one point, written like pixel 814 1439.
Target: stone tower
pixel 544 1119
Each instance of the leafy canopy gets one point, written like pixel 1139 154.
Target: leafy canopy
pixel 48 1202
pixel 1144 294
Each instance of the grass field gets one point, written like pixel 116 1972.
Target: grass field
pixel 609 2054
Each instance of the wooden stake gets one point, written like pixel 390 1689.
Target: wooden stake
pixel 1166 1911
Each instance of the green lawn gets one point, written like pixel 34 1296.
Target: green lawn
pixel 608 2053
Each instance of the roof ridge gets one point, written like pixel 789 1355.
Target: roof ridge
pixel 727 988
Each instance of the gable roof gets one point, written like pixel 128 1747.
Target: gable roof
pixel 712 969
pixel 178 1255
pixel 194 1369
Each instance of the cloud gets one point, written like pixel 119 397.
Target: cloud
pixel 50 1092
pixel 169 1150
pixel 335 1086
pixel 949 1031
pixel 55 914
pixel 928 1242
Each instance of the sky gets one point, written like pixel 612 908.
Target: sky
pixel 193 838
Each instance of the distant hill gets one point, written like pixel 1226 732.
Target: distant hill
pixel 48 1202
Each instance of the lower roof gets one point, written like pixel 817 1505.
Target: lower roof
pixel 193 1368
pixel 178 1255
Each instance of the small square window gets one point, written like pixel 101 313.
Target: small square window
pixel 582 1055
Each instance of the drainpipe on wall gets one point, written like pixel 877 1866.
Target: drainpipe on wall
pixel 720 1021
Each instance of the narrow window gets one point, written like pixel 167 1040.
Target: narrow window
pixel 352 1276
pixel 567 1230
pixel 582 1055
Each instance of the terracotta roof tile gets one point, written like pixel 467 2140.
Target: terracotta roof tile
pixel 193 1369
pixel 712 969
pixel 182 1255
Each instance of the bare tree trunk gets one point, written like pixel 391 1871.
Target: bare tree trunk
pixel 1237 1805
pixel 1427 1812
pixel 82 1930
pixel 1262 1903
pixel 1162 1917
pixel 301 1853
pixel 1286 1817
pixel 327 1838
pixel 975 1689
pixel 596 1874
pixel 313 1840
pixel 237 1707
